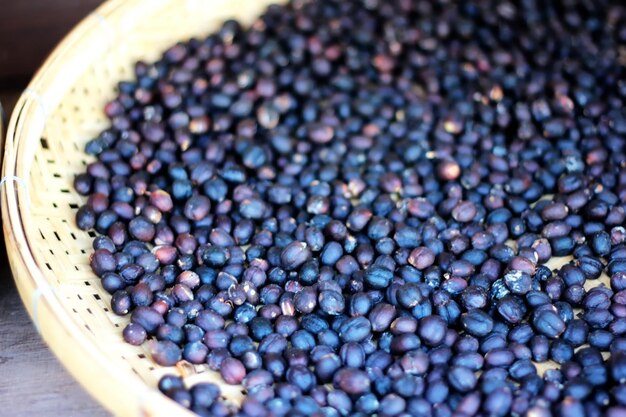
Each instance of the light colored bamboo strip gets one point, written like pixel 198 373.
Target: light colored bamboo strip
pixel 54 118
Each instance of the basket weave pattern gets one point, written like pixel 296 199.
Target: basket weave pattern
pixel 58 113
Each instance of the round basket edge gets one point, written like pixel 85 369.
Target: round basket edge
pixel 45 306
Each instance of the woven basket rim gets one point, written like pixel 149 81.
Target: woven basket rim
pixel 35 291
pixel 124 393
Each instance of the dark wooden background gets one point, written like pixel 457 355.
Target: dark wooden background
pixel 29 29
pixel 32 381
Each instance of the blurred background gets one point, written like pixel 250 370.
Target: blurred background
pixel 29 29
pixel 32 381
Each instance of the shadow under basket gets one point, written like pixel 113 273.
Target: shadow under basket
pixel 49 256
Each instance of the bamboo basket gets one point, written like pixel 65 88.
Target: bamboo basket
pixel 59 111
pixel 54 118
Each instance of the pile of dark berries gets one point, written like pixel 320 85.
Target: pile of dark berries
pixel 348 208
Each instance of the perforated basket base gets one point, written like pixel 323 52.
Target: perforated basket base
pixel 58 113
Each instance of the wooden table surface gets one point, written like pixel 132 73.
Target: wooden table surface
pixel 32 381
